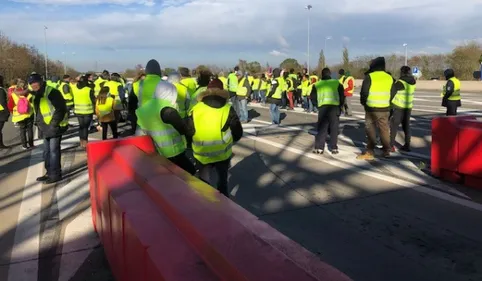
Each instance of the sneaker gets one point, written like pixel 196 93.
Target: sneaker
pixel 366 156
pixel 393 149
pixel 43 178
pixel 386 154
pixel 24 147
pixel 405 148
pixel 318 151
pixel 334 151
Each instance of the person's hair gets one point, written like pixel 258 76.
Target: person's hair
pixel 307 76
pixel 326 72
pixel 405 70
pixel 204 78
pixel 285 75
pixel 102 97
pixel 292 70
pixel 236 68
pixel 139 76
pixel 21 84
pixel 263 76
pixel 341 71
pixel 184 71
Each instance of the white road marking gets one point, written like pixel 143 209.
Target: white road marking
pixel 71 194
pixel 27 234
pixel 399 182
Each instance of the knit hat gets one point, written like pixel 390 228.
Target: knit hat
pixel 35 78
pixel 216 84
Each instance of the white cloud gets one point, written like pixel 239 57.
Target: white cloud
pixel 277 53
pixel 345 39
pixel 282 41
pixel 86 2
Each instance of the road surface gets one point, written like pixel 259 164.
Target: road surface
pixel 386 220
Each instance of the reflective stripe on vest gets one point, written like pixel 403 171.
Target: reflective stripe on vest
pixel 404 98
pixel 17 117
pixel 82 101
pixel 67 96
pixel 327 92
pixel 47 109
pixel 167 139
pixel 456 94
pixel 379 92
pixel 209 143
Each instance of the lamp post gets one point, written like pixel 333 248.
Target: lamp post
pixel 308 7
pixel 46 54
pixel 406 53
pixel 324 49
pixel 65 58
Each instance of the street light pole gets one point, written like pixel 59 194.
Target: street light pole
pixel 65 58
pixel 46 54
pixel 308 7
pixel 406 53
pixel 324 50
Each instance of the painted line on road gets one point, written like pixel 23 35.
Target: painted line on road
pixel 390 179
pixel 25 249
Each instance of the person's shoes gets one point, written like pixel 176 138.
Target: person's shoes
pixel 43 178
pixel 31 146
pixel 24 147
pixel 335 151
pixel 405 148
pixel 318 151
pixel 386 153
pixel 368 155
pixel 2 146
pixel 52 180
pixel 393 149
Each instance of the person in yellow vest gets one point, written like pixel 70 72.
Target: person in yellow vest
pixel 314 77
pixel 84 104
pixel 263 88
pixel 183 100
pixel 223 79
pixel 51 118
pixel 133 101
pixel 375 96
pixel 275 95
pixel 402 104
pixel 214 127
pixel 160 119
pixel 24 120
pixel 255 89
pixel 117 91
pixel 451 98
pixel 348 83
pixel 104 109
pixel 328 95
pixel 306 88
pixel 243 92
pixel 202 81
pixel 186 79
pixel 4 113
pixel 66 91
pixel 233 82
pixel 99 82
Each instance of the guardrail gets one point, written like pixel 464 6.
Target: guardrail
pixel 157 222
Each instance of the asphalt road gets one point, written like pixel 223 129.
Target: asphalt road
pixel 384 220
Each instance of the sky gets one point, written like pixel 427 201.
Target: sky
pixel 119 34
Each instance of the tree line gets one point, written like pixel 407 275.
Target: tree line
pixel 19 60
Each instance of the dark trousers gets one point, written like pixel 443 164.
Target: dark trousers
pixel 328 117
pixel 133 120
pixel 400 116
pixel 117 114
pixel 2 123
pixel 113 127
pixel 374 120
pixel 184 163
pixel 222 171
pixel 26 131
pixel 284 99
pixel 52 157
pixel 451 109
pixel 84 126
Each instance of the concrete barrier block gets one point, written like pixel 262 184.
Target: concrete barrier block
pixel 470 150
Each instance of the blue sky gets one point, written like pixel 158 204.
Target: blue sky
pixel 122 33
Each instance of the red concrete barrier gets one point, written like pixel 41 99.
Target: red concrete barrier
pixel 157 222
pixel 470 153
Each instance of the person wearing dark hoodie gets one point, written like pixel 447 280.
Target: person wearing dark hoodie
pixel 160 119
pixel 451 98
pixel 84 107
pixel 328 95
pixel 4 113
pixel 51 117
pixel 143 89
pixel 214 127
pixel 402 104
pixel 275 95
pixel 375 96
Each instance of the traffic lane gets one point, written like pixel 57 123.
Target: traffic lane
pixel 352 130
pixel 369 228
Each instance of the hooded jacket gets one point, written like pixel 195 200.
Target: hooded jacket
pixel 378 64
pixel 398 86
pixel 217 98
pixel 449 90
pixel 152 68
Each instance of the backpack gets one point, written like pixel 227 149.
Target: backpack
pixel 23 105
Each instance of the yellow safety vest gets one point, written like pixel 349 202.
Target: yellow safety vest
pixel 456 94
pixel 209 143
pixel 67 96
pixel 279 90
pixel 225 82
pixel 47 109
pixel 345 84
pixel 106 108
pixel 306 88
pixel 341 79
pixel 114 91
pixel 233 82
pixel 242 91
pixel 82 102
pixel 97 87
pixel 290 87
pixel 167 139
pixel 264 85
pixel 404 98
pixel 256 84
pixel 327 92
pixel 183 99
pixel 195 95
pixel 17 117
pixel 190 83
pixel 147 87
pixel 314 77
pixel 379 92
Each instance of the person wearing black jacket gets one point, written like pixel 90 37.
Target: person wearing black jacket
pixel 402 105
pixel 328 111
pixel 274 96
pixel 51 131
pixel 4 113
pixel 451 93
pixel 216 97
pixel 84 118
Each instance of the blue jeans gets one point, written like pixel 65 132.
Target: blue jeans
pixel 308 104
pixel 274 112
pixel 243 110
pixel 262 96
pixel 52 157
